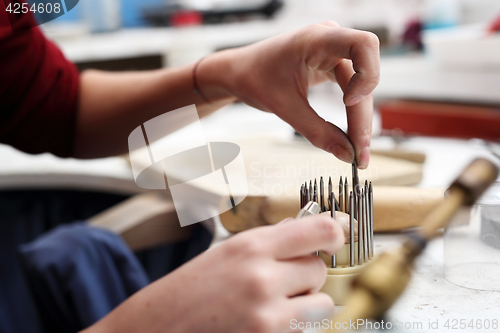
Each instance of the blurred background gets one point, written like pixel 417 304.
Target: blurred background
pixel 400 25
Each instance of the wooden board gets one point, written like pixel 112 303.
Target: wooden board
pixel 395 208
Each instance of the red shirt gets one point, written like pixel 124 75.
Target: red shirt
pixel 38 88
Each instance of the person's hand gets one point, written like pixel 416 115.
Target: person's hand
pixel 256 281
pixel 274 75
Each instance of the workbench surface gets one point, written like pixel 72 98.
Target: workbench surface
pixel 430 298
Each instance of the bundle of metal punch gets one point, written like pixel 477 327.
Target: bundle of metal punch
pixel 358 203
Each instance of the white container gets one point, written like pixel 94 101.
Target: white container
pixel 472 244
pixel 463 48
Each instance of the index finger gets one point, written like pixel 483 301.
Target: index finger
pixel 363 49
pixel 359 46
pixel 304 236
pixel 359 116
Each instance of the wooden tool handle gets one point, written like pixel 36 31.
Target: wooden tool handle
pixel 395 208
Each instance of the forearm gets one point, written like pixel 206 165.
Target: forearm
pixel 111 105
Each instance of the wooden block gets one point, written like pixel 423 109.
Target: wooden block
pixel 395 208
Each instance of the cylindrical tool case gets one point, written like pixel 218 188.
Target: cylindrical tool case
pixel 338 282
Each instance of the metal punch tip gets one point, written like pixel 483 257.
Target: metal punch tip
pixel 351 231
pixel 370 208
pixel 322 195
pixel 332 212
pixel 364 210
pixel 360 227
pixel 355 186
pixel 341 195
pixel 346 197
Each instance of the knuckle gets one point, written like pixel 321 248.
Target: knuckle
pixel 232 247
pixel 329 23
pixel 315 136
pixel 376 79
pixel 368 79
pixel 307 31
pixel 245 245
pixel 372 80
pixel 253 248
pixel 260 283
pixel 362 132
pixel 366 132
pixel 370 39
pixel 362 135
pixel 333 23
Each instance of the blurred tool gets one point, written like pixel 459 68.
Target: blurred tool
pixel 179 14
pixel 441 119
pixel 310 208
pixel 382 282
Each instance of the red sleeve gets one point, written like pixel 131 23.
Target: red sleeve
pixel 38 89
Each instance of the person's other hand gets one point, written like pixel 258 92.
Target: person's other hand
pixel 274 75
pixel 256 281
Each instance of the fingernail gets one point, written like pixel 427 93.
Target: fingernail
pixel 354 100
pixel 342 153
pixel 285 220
pixel 364 158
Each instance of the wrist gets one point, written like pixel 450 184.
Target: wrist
pixel 213 76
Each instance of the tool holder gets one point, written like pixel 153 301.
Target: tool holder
pixel 349 261
pixel 338 283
